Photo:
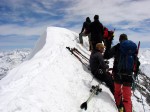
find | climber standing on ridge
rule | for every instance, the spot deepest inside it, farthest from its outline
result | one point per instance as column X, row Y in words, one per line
column 97, row 31
column 123, row 77
column 85, row 32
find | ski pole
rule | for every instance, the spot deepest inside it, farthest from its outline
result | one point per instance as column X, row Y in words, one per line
column 75, row 39
column 80, row 53
column 86, row 65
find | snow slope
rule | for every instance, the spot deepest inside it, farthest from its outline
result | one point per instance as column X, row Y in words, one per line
column 144, row 56
column 52, row 80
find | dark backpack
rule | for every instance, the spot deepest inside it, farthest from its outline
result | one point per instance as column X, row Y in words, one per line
column 128, row 50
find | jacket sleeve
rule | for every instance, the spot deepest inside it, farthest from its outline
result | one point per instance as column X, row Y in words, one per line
column 110, row 53
column 102, row 65
column 83, row 27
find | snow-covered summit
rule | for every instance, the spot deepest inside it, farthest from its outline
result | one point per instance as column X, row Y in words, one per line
column 52, row 80
column 53, row 39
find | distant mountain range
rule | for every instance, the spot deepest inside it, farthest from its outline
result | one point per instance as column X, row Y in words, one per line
column 10, row 59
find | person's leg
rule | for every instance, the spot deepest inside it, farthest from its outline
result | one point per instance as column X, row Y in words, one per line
column 109, row 81
column 80, row 38
column 117, row 93
column 104, row 77
column 127, row 98
column 90, row 43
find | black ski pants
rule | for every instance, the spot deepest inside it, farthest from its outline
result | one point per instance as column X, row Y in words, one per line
column 105, row 77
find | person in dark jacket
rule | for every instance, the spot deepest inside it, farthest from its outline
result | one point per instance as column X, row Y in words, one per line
column 97, row 31
column 122, row 81
column 98, row 66
column 85, row 31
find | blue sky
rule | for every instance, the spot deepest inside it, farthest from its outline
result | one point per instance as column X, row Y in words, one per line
column 22, row 22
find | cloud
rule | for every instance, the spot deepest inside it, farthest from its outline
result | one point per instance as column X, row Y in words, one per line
column 128, row 16
column 17, row 41
column 23, row 17
column 19, row 30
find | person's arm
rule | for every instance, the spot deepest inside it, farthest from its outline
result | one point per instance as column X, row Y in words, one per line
column 83, row 27
column 110, row 53
column 102, row 63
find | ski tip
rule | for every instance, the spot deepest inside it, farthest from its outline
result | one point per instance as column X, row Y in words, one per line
column 84, row 106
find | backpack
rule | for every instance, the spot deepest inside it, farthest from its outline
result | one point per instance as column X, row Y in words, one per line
column 105, row 33
column 108, row 34
column 128, row 50
column 108, row 38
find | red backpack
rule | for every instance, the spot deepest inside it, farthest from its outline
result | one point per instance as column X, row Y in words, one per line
column 108, row 34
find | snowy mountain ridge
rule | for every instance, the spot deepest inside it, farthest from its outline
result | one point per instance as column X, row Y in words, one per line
column 53, row 80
